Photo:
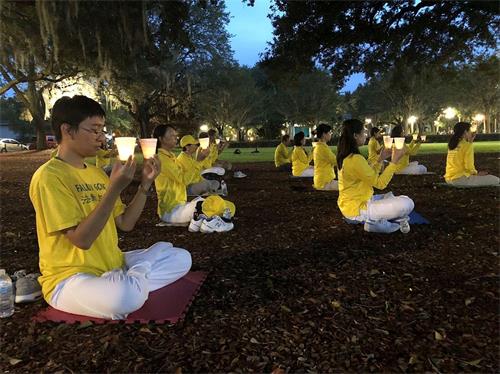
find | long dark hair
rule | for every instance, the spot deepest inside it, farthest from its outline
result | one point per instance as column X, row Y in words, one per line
column 397, row 131
column 458, row 131
column 374, row 131
column 158, row 132
column 297, row 139
column 347, row 144
column 322, row 129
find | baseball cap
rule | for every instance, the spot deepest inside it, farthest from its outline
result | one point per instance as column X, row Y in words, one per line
column 214, row 205
column 188, row 140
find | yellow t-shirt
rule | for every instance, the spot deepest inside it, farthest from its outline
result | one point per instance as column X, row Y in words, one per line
column 53, row 153
column 324, row 161
column 356, row 181
column 192, row 168
column 300, row 160
column 63, row 196
column 460, row 161
column 170, row 184
column 281, row 155
column 212, row 157
column 374, row 148
column 410, row 150
column 103, row 158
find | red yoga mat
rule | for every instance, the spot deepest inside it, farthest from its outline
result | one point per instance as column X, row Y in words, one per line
column 168, row 304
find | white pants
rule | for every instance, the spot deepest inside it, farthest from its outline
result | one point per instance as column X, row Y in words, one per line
column 333, row 185
column 413, row 168
column 386, row 206
column 476, row 181
column 119, row 292
column 309, row 172
column 202, row 187
column 182, row 213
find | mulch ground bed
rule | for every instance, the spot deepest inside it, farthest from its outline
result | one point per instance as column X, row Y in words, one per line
column 291, row 288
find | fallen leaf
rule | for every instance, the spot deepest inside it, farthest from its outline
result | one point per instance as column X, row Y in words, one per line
column 469, row 301
column 413, row 359
column 473, row 363
column 374, row 272
column 438, row 336
column 84, row 325
column 332, row 275
column 336, row 304
column 254, row 341
column 373, row 294
column 285, row 309
column 14, row 361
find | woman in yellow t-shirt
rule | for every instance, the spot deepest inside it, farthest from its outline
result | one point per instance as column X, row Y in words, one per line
column 300, row 158
column 281, row 154
column 404, row 165
column 374, row 146
column 460, row 169
column 324, row 161
column 357, row 178
column 171, row 183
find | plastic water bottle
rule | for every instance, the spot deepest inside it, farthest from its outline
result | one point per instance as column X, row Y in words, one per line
column 6, row 295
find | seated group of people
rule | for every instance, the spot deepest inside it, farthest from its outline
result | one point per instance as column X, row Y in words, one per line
column 358, row 176
column 78, row 207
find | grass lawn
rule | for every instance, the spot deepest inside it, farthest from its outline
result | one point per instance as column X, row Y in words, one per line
column 267, row 153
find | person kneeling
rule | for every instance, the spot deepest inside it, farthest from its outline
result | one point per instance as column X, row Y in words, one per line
column 282, row 156
column 357, row 179
column 460, row 169
column 78, row 209
column 324, row 161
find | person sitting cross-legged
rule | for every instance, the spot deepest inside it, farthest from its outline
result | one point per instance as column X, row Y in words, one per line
column 357, row 178
column 192, row 165
column 374, row 146
column 78, row 210
column 300, row 158
column 170, row 184
column 324, row 161
column 282, row 155
column 404, row 165
column 460, row 169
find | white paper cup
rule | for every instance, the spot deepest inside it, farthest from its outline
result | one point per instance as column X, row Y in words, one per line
column 399, row 142
column 423, row 137
column 387, row 141
column 126, row 147
column 148, row 147
column 204, row 142
column 415, row 136
column 217, row 141
column 314, row 144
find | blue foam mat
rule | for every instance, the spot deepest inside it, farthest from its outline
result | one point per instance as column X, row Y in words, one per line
column 415, row 219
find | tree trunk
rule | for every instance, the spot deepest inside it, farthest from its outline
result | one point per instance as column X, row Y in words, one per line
column 39, row 125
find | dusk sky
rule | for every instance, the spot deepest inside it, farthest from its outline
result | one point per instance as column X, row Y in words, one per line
column 252, row 30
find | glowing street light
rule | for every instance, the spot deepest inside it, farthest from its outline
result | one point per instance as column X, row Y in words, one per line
column 368, row 121
column 479, row 117
column 412, row 120
column 450, row 113
column 204, row 128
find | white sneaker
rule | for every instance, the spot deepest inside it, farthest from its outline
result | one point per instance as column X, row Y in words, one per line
column 196, row 222
column 382, row 226
column 222, row 190
column 215, row 224
column 239, row 174
column 404, row 224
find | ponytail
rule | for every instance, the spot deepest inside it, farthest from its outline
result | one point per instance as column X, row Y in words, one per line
column 322, row 129
column 347, row 143
column 458, row 131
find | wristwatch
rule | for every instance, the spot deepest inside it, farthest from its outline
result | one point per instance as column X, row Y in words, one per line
column 144, row 191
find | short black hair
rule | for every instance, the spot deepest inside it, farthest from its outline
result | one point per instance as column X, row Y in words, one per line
column 285, row 138
column 212, row 132
column 374, row 131
column 73, row 111
column 297, row 139
column 397, row 131
column 203, row 134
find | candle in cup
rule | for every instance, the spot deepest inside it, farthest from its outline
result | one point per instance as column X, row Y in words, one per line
column 125, row 146
column 314, row 144
column 423, row 137
column 148, row 147
column 399, row 142
column 204, row 142
column 387, row 141
column 217, row 141
column 415, row 136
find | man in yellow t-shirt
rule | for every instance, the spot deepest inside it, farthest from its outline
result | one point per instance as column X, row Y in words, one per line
column 192, row 164
column 78, row 209
column 282, row 157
